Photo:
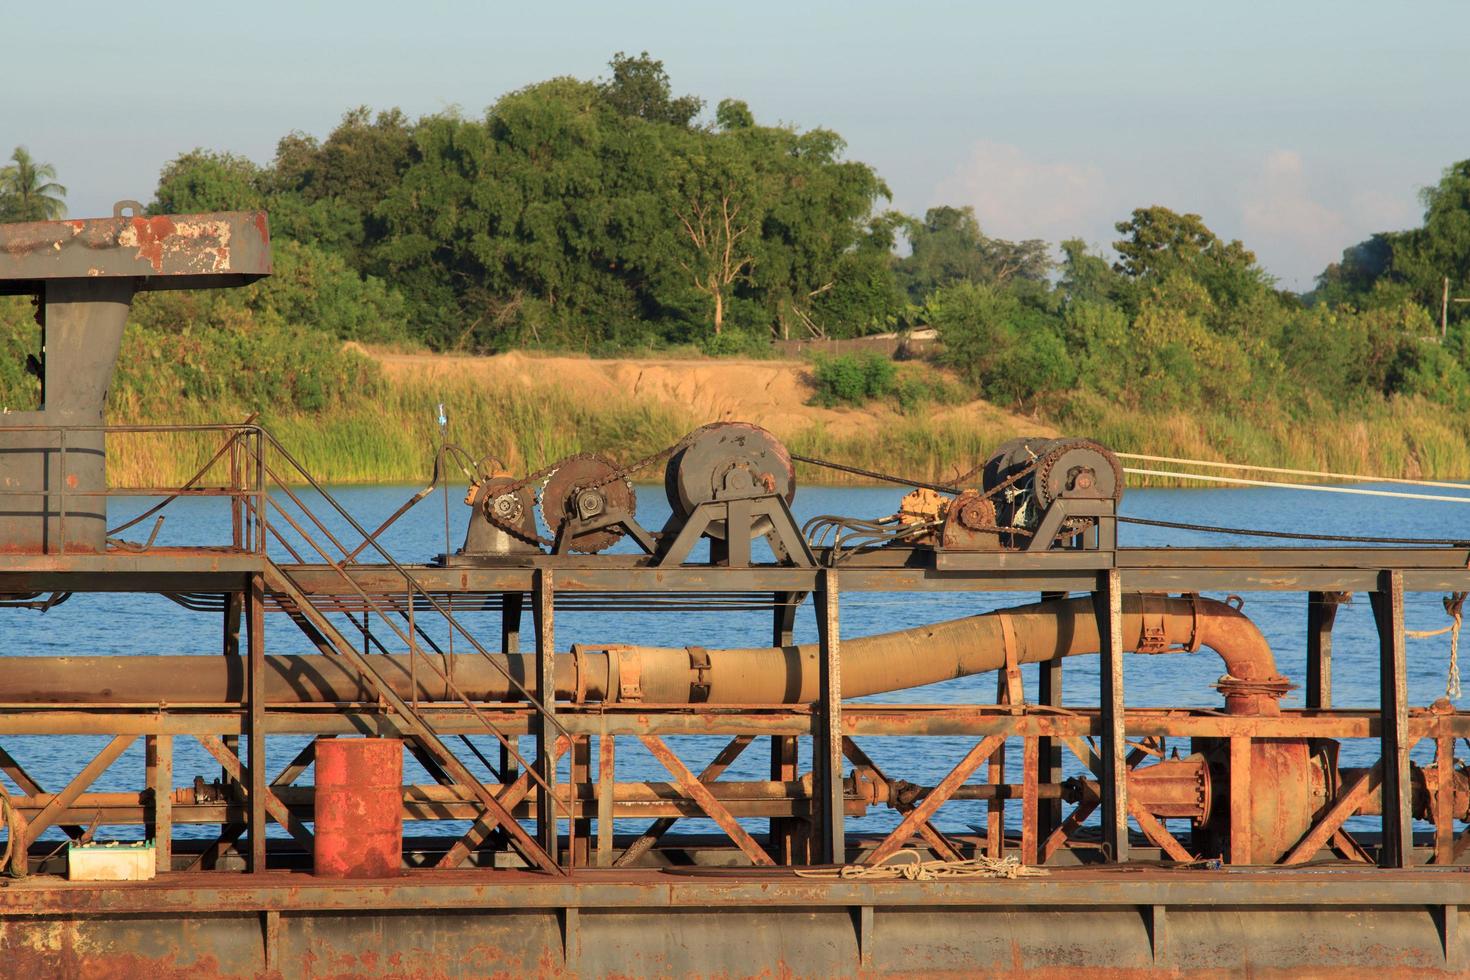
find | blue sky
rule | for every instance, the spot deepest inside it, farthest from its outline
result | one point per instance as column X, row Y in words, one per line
column 1297, row 127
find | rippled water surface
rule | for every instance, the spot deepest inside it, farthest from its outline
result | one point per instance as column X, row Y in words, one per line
column 137, row 624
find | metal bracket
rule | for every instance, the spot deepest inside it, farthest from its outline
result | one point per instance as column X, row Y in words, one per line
column 699, row 667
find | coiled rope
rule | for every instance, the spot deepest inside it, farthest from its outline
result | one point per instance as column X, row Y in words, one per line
column 915, row 868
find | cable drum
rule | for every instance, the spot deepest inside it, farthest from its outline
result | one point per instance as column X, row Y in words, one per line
column 729, row 460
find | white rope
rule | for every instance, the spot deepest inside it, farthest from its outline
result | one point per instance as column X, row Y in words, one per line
column 1454, row 604
column 1324, row 474
column 1240, row 481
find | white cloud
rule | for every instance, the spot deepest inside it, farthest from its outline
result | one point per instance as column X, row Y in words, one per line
column 1382, row 211
column 1292, row 233
column 1017, row 197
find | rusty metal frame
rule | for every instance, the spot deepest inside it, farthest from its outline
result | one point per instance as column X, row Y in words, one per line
column 807, row 820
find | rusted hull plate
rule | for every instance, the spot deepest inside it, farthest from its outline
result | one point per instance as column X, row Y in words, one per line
column 744, row 942
column 476, row 924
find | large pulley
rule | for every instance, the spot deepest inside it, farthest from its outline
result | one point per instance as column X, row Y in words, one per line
column 729, row 461
column 1025, row 477
column 583, row 491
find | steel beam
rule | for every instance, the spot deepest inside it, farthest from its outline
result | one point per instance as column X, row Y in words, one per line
column 1108, row 601
column 1388, row 610
column 543, row 597
column 829, row 711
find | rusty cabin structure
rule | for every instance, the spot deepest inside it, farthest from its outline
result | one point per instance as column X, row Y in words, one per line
column 1230, row 858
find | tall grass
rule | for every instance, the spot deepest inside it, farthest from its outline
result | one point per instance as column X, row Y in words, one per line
column 390, row 434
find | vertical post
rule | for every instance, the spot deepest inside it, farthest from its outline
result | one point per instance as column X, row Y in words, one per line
column 1031, row 812
column 1444, row 793
column 580, row 828
column 1444, row 310
column 544, row 589
column 1049, row 750
column 995, row 817
column 230, row 645
column 1321, row 614
column 1108, row 607
column 61, row 485
column 511, row 604
column 829, row 714
column 255, row 636
column 237, row 509
column 1398, row 827
column 606, row 778
column 159, row 750
column 783, row 747
column 1241, row 832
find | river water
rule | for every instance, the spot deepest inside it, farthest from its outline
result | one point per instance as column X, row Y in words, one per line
column 138, row 624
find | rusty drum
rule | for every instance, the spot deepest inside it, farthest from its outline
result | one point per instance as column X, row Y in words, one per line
column 359, row 807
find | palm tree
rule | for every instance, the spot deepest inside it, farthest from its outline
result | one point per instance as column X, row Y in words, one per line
column 28, row 190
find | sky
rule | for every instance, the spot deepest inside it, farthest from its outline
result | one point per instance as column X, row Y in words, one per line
column 1299, row 128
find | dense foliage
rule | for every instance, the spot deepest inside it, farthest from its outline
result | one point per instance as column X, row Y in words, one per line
column 613, row 215
column 587, row 215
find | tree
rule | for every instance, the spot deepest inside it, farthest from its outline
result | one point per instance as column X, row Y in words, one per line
column 719, row 203
column 1159, row 243
column 948, row 247
column 640, row 87
column 28, row 190
column 357, row 164
column 203, row 180
column 1086, row 278
column 1354, row 275
column 1424, row 257
column 733, row 114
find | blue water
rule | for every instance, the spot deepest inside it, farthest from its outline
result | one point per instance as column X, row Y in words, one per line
column 139, row 624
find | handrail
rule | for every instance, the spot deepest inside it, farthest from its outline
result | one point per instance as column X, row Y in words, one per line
column 412, row 583
column 252, row 529
column 412, row 587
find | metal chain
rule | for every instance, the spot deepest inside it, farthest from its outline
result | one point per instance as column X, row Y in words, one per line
column 619, row 473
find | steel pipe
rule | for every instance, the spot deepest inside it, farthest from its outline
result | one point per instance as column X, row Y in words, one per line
column 661, row 675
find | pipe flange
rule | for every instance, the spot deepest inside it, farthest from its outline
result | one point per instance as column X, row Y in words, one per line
column 1274, row 687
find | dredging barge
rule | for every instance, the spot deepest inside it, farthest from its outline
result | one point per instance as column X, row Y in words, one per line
column 1230, row 856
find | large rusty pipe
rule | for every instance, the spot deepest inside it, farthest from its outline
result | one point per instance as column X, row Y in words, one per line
column 772, row 675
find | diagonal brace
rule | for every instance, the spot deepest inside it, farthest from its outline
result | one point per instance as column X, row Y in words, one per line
column 706, row 801
column 920, row 814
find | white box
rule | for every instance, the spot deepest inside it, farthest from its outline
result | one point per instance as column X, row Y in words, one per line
column 112, row 861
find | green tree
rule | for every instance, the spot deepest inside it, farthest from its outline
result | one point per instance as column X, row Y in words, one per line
column 948, row 247
column 1158, row 243
column 202, row 180
column 1440, row 249
column 1009, row 348
column 640, row 87
column 28, row 190
column 1086, row 278
column 567, row 218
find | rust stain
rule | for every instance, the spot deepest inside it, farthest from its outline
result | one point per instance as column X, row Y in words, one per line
column 148, row 236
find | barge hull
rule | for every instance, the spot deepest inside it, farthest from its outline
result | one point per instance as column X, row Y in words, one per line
column 715, row 923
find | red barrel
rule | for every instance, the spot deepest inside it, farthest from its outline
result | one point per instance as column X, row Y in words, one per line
column 359, row 807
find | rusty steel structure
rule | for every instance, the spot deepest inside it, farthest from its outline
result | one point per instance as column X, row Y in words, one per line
column 1232, row 855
